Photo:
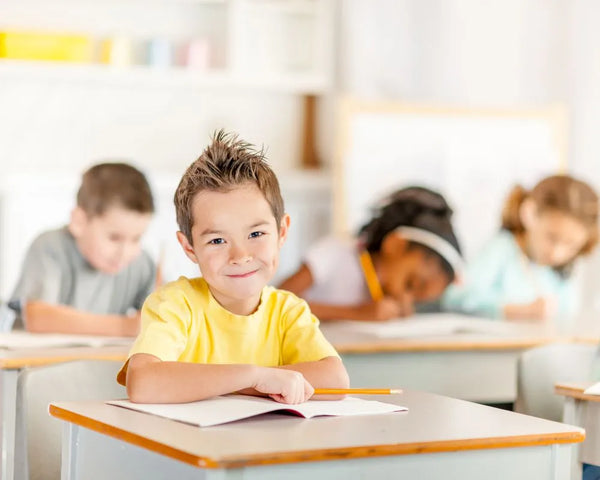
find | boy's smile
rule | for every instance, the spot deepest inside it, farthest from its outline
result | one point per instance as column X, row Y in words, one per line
column 236, row 244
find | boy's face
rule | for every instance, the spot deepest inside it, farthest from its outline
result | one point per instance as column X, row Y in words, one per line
column 111, row 241
column 236, row 243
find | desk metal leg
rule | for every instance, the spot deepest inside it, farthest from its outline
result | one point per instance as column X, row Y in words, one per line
column 69, row 451
column 88, row 455
column 572, row 416
column 8, row 412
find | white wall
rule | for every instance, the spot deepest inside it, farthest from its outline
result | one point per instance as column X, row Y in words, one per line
column 515, row 53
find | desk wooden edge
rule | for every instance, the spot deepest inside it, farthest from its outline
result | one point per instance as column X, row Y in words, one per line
column 340, row 453
column 33, row 361
column 403, row 345
column 575, row 390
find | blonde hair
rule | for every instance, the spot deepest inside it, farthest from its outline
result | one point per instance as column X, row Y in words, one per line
column 560, row 193
column 226, row 164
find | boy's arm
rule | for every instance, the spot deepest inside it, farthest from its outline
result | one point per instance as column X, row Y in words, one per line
column 42, row 317
column 329, row 372
column 150, row 380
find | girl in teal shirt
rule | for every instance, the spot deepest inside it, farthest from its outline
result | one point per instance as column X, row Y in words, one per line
column 524, row 271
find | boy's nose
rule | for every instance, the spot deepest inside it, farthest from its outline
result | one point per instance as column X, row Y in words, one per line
column 240, row 255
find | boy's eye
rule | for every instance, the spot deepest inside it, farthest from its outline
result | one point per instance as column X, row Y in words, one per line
column 217, row 241
column 256, row 234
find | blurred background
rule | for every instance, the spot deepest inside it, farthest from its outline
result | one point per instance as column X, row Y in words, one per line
column 148, row 81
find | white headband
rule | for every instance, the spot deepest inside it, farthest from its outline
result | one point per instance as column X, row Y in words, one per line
column 439, row 245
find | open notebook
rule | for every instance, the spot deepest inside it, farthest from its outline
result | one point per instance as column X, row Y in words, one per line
column 228, row 408
column 19, row 339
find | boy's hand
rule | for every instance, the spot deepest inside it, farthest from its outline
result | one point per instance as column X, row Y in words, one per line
column 284, row 386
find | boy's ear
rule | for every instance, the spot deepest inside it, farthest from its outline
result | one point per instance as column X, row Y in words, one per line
column 393, row 244
column 187, row 247
column 78, row 221
column 528, row 213
column 284, row 227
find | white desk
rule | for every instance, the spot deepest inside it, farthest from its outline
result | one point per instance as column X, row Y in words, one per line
column 438, row 437
column 582, row 410
column 11, row 362
column 475, row 367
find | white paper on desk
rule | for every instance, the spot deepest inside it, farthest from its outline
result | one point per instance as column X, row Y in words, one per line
column 423, row 325
column 18, row 340
column 228, row 408
column 593, row 390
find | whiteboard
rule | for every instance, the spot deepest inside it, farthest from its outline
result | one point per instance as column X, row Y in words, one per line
column 471, row 156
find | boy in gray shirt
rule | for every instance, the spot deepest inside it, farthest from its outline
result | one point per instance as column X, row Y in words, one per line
column 91, row 276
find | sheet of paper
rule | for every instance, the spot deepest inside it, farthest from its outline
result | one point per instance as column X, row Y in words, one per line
column 440, row 324
column 17, row 340
column 593, row 390
column 228, row 408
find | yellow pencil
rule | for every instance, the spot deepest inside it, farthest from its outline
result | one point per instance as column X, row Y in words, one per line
column 370, row 276
column 357, row 391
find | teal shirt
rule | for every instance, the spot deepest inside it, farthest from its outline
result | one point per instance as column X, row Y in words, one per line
column 502, row 275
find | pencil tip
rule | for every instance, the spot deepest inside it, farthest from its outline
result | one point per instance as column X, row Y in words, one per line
column 395, row 390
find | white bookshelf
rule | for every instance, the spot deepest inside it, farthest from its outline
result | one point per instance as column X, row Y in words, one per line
column 176, row 77
column 284, row 45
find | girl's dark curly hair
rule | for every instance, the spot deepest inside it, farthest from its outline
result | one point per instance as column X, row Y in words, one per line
column 416, row 207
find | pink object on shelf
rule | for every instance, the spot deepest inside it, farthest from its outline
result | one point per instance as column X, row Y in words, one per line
column 197, row 54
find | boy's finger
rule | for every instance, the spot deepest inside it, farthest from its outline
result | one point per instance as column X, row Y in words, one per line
column 308, row 390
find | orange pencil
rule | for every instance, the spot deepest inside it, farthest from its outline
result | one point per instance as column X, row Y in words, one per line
column 370, row 276
column 357, row 391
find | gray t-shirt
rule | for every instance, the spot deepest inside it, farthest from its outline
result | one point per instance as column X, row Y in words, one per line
column 54, row 271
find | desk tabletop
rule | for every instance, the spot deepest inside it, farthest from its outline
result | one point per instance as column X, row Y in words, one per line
column 432, row 424
column 347, row 339
column 575, row 390
column 32, row 357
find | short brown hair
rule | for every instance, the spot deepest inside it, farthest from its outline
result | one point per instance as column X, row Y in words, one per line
column 108, row 185
column 225, row 164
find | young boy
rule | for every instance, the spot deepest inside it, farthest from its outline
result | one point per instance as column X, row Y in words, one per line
column 226, row 331
column 91, row 276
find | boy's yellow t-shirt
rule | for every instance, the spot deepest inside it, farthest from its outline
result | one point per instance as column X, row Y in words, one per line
column 182, row 321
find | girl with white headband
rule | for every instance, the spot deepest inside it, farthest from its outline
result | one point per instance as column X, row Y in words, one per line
column 406, row 254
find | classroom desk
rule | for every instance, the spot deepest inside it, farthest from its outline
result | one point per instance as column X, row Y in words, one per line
column 475, row 367
column 583, row 410
column 439, row 437
column 12, row 361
